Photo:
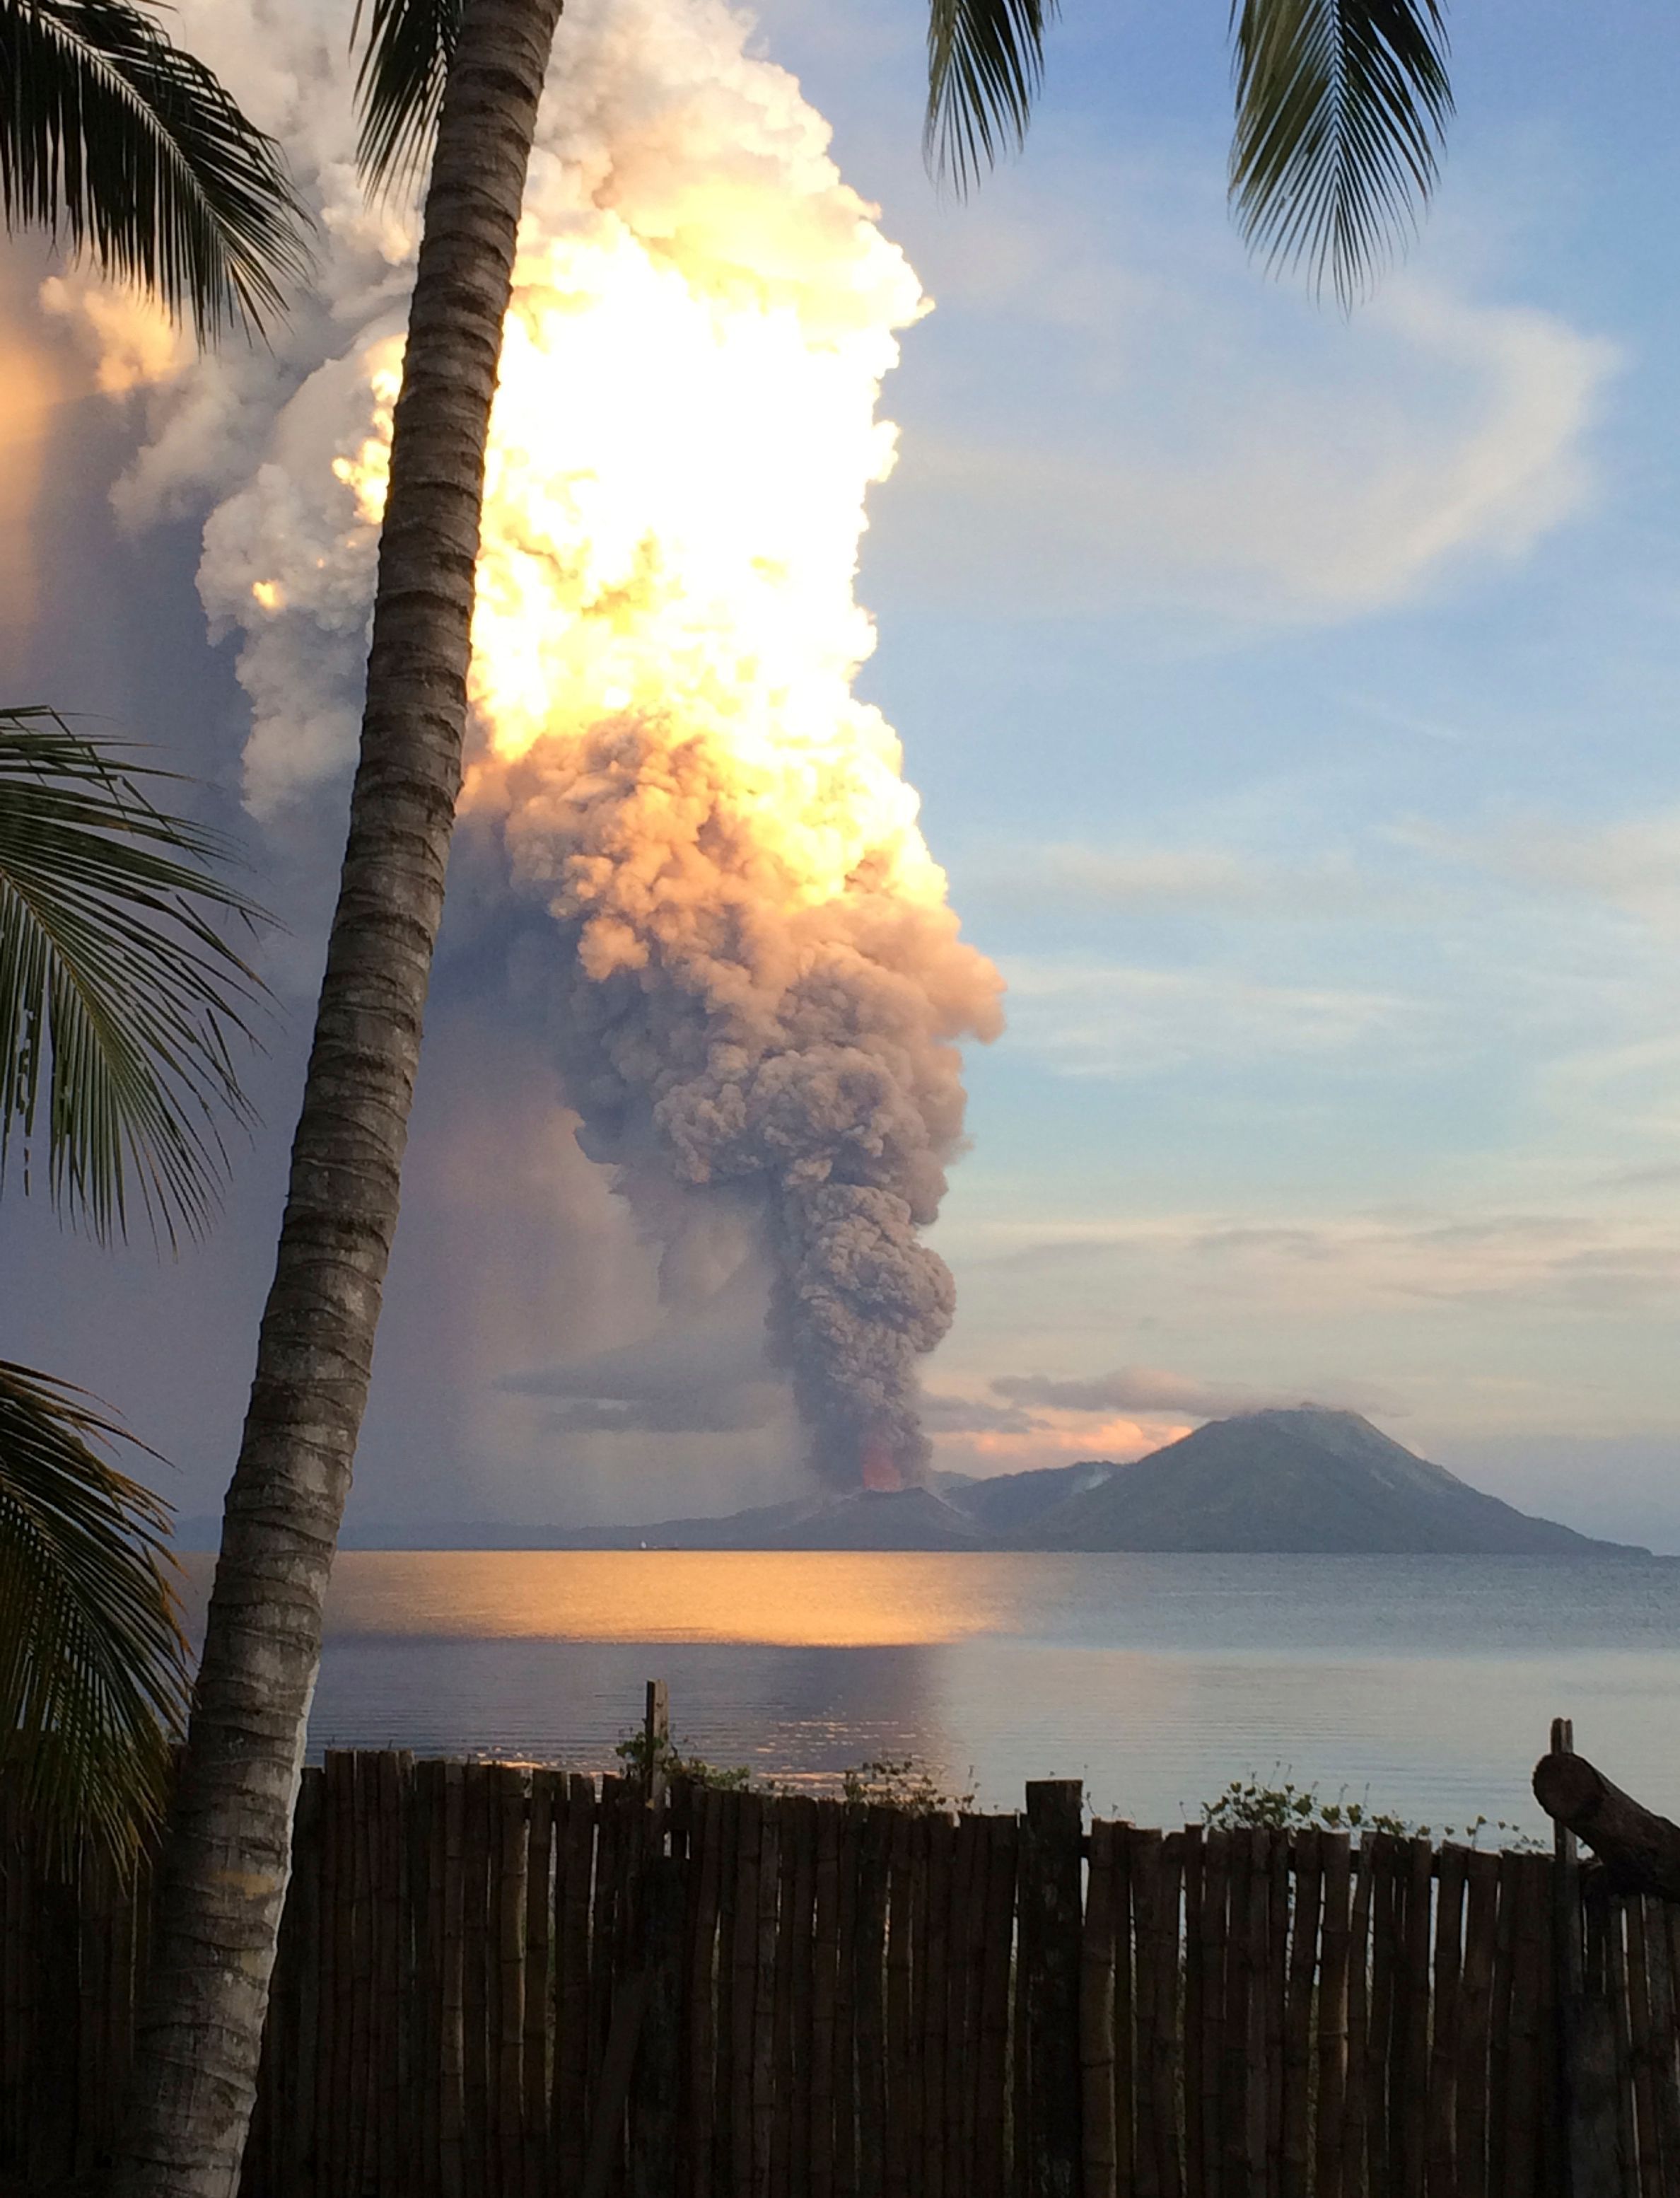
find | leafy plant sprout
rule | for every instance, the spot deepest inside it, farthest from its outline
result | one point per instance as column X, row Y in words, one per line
column 883, row 1781
column 1250, row 1805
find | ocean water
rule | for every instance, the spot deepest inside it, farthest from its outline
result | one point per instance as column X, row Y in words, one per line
column 1425, row 1685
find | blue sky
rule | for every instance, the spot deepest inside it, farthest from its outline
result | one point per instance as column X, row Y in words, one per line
column 1303, row 751
column 1292, row 702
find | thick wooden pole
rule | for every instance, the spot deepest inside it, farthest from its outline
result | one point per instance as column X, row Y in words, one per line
column 1638, row 1851
column 1586, row 2041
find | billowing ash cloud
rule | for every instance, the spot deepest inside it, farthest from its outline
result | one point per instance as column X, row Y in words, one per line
column 755, row 986
column 719, row 1038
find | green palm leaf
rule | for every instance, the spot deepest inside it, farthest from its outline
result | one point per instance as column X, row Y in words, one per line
column 136, row 151
column 1340, row 107
column 118, row 1000
column 985, row 61
column 93, row 1668
column 399, row 82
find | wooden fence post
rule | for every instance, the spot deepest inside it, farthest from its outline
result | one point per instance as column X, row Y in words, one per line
column 657, row 2095
column 656, row 1742
column 1097, row 2021
column 1051, row 1910
column 642, row 2063
column 1586, row 2038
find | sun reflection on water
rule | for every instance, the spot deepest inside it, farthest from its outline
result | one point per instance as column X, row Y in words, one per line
column 800, row 1599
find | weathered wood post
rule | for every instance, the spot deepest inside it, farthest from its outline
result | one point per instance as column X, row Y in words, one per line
column 1100, row 2166
column 1586, row 2039
column 1051, row 1953
column 656, row 1740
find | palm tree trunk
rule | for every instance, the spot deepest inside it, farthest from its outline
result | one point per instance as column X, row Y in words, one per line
column 229, row 1844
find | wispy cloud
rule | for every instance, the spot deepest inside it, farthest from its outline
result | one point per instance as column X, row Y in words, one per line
column 1114, row 1021
column 717, row 1411
column 1053, row 1440
column 943, row 1415
column 1150, row 1389
column 1201, row 879
column 1663, row 1175
column 1043, row 1419
column 1340, row 1266
column 1632, row 864
column 1346, row 476
column 1401, row 868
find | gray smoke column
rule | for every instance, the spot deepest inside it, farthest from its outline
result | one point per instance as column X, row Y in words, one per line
column 722, row 1031
column 757, row 986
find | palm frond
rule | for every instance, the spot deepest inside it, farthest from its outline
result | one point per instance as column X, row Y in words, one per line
column 985, row 61
column 93, row 1664
column 1340, row 109
column 119, row 999
column 399, row 82
column 116, row 137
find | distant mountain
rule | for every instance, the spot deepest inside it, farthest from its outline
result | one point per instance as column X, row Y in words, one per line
column 911, row 1519
column 756, row 1529
column 1010, row 1504
column 955, row 1512
column 914, row 1519
column 1310, row 1479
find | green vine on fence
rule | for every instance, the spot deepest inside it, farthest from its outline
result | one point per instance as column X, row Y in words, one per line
column 642, row 1753
column 901, row 1782
column 1250, row 1805
column 904, row 1783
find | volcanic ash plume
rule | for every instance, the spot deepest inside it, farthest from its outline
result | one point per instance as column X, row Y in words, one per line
column 736, row 1021
column 757, row 984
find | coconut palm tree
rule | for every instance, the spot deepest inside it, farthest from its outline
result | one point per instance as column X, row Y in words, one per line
column 1339, row 104
column 118, row 999
column 473, row 87
column 116, row 140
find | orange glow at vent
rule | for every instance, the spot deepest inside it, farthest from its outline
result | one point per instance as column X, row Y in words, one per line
column 879, row 1470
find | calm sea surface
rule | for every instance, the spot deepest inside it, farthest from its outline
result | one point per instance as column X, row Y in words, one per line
column 1425, row 1684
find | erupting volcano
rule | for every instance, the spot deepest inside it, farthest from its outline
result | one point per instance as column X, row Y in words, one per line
column 756, row 986
column 881, row 1470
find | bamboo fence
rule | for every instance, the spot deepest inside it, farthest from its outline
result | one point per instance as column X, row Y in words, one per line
column 501, row 1982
